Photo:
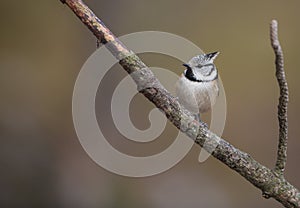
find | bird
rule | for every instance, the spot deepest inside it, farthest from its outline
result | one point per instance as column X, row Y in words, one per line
column 197, row 88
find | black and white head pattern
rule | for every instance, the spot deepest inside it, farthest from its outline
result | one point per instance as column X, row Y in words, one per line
column 201, row 68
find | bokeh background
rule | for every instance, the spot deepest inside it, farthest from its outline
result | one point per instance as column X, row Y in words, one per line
column 43, row 46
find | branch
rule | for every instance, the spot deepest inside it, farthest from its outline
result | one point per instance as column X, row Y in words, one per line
column 260, row 176
column 283, row 100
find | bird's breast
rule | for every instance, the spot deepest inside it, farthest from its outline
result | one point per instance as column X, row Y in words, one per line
column 197, row 97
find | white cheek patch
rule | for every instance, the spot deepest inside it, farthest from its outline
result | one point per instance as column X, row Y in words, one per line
column 207, row 70
column 206, row 73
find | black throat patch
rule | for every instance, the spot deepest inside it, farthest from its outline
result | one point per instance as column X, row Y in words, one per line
column 190, row 75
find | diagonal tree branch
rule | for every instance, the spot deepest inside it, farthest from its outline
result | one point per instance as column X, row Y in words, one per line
column 283, row 100
column 267, row 180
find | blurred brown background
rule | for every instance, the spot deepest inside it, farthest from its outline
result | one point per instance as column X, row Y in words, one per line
column 43, row 46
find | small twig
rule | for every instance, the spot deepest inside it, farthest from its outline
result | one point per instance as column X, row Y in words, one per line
column 283, row 100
